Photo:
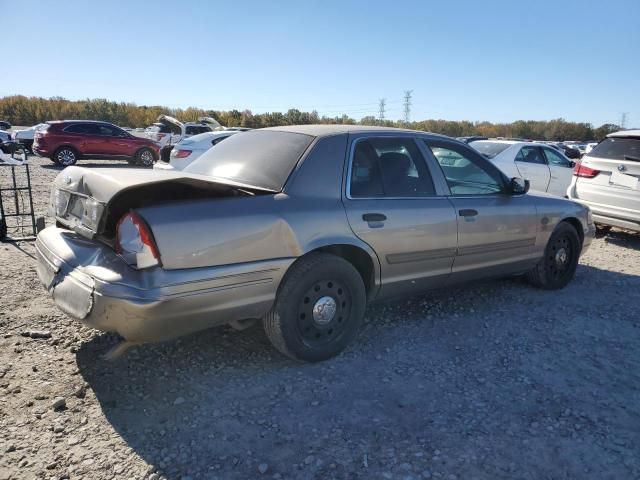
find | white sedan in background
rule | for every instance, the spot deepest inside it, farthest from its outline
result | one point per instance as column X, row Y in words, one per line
column 546, row 168
column 188, row 149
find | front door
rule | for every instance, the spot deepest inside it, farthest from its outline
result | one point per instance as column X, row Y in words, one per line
column 392, row 205
column 496, row 230
column 561, row 169
column 533, row 167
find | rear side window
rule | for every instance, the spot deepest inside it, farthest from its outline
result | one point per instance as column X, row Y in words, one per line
column 617, row 149
column 84, row 128
column 389, row 167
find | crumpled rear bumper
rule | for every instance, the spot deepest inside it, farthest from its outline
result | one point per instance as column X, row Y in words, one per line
column 90, row 282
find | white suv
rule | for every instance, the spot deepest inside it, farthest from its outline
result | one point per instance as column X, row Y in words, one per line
column 607, row 180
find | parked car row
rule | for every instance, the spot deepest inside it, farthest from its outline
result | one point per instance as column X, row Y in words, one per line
column 67, row 141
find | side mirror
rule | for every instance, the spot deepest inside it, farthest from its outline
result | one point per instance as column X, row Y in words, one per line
column 519, row 186
column 572, row 164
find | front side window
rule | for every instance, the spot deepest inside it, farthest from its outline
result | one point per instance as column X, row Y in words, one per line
column 389, row 167
column 554, row 158
column 466, row 175
column 82, row 128
column 530, row 155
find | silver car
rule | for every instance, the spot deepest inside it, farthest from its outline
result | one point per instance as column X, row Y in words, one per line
column 297, row 226
column 608, row 181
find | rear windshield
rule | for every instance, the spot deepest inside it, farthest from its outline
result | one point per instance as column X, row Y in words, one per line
column 489, row 149
column 262, row 158
column 617, row 149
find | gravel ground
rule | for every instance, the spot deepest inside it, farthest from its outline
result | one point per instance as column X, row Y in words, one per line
column 496, row 380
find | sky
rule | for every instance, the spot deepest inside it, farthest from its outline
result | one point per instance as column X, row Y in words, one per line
column 499, row 61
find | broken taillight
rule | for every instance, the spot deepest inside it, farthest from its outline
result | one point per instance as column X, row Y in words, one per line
column 135, row 243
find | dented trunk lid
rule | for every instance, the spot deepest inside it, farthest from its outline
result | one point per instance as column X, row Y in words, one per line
column 114, row 191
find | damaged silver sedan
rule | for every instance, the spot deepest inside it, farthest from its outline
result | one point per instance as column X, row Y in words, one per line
column 298, row 227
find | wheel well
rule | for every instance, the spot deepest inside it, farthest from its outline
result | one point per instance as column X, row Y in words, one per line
column 357, row 257
column 70, row 147
column 575, row 223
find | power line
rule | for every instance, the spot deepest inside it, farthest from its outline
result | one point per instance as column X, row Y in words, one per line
column 383, row 102
column 407, row 106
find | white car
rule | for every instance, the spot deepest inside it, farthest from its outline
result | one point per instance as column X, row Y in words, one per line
column 169, row 131
column 590, row 147
column 546, row 168
column 188, row 149
column 25, row 135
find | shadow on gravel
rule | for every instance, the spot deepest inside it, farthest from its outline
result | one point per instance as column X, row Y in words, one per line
column 623, row 239
column 497, row 380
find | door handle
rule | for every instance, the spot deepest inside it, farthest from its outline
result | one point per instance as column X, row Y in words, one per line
column 374, row 217
column 467, row 212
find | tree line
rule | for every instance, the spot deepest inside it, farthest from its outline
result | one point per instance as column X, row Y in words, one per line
column 22, row 110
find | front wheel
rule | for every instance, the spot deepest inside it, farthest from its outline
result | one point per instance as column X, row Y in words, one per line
column 145, row 157
column 65, row 156
column 558, row 266
column 318, row 309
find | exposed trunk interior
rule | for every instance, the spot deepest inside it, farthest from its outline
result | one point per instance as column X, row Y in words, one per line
column 170, row 191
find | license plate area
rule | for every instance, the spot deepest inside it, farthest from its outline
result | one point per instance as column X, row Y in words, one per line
column 624, row 180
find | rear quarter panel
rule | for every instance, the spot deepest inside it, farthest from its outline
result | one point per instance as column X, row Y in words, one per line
column 307, row 215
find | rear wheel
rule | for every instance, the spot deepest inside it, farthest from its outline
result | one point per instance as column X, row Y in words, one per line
column 65, row 156
column 318, row 309
column 145, row 157
column 558, row 266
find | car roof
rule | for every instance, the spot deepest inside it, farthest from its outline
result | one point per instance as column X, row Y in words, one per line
column 52, row 122
column 328, row 130
column 505, row 142
column 625, row 133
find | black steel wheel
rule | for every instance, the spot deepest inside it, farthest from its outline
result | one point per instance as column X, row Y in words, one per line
column 558, row 266
column 318, row 309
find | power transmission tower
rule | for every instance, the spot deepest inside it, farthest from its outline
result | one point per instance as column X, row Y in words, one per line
column 623, row 120
column 383, row 102
column 407, row 106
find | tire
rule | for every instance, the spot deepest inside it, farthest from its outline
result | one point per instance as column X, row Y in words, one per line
column 65, row 156
column 318, row 309
column 53, row 159
column 558, row 265
column 145, row 157
column 602, row 230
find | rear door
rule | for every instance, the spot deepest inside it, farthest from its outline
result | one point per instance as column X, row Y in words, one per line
column 561, row 170
column 496, row 230
column 90, row 142
column 393, row 205
column 533, row 167
column 614, row 189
